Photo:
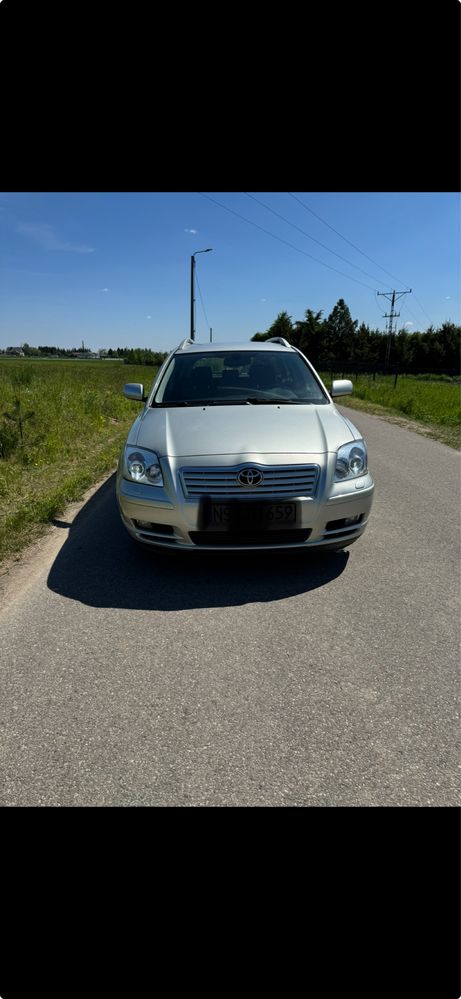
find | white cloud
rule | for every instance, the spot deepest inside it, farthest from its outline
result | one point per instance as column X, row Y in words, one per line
column 194, row 231
column 148, row 317
column 46, row 237
column 409, row 323
column 104, row 289
column 263, row 299
column 447, row 297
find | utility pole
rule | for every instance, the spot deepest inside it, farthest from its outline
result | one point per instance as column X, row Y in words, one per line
column 391, row 296
column 192, row 290
column 211, row 335
column 192, row 299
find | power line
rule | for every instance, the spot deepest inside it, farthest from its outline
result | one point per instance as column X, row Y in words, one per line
column 407, row 307
column 423, row 310
column 345, row 239
column 377, row 304
column 201, row 299
column 325, row 247
column 310, row 255
column 285, row 241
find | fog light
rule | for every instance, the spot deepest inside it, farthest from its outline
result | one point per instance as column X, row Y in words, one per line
column 143, row 525
column 352, row 520
column 154, row 474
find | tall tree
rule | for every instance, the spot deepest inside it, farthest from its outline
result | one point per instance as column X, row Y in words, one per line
column 308, row 334
column 340, row 331
column 282, row 326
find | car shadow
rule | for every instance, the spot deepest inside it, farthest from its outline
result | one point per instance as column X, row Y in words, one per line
column 100, row 565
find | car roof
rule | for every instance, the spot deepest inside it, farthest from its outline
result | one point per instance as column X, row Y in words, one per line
column 209, row 348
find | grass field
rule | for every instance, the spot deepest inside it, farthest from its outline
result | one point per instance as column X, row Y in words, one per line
column 79, row 421
column 67, row 421
column 433, row 407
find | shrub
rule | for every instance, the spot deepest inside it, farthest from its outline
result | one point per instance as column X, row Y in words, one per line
column 9, row 440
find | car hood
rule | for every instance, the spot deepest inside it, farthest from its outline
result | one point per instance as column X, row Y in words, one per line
column 239, row 430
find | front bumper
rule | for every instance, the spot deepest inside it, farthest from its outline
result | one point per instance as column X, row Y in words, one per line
column 165, row 517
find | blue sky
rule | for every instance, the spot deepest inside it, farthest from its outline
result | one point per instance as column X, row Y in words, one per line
column 113, row 269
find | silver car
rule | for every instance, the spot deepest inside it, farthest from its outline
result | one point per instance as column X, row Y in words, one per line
column 241, row 446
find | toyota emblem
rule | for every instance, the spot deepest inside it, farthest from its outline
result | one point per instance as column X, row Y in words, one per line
column 250, row 477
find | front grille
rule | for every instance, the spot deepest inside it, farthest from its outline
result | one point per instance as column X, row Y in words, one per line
column 278, row 480
column 248, row 538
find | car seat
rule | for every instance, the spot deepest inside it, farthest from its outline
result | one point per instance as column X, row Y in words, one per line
column 201, row 383
column 262, row 376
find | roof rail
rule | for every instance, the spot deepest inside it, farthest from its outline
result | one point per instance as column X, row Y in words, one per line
column 185, row 343
column 279, row 339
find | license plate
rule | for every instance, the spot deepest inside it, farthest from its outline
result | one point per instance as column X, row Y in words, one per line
column 239, row 515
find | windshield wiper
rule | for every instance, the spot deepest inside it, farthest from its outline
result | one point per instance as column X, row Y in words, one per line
column 215, row 402
column 166, row 405
column 200, row 402
column 258, row 401
column 251, row 401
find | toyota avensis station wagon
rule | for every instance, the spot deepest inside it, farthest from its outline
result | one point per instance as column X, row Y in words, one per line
column 241, row 446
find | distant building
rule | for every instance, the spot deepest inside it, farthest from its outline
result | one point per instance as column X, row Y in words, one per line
column 15, row 351
column 84, row 355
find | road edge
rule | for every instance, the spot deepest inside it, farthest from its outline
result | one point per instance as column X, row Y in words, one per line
column 20, row 570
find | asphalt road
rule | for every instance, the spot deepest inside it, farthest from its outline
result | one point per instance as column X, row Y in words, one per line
column 263, row 679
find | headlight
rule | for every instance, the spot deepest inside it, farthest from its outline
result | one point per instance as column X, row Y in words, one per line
column 142, row 466
column 351, row 461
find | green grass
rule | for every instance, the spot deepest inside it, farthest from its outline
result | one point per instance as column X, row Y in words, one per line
column 80, row 419
column 432, row 407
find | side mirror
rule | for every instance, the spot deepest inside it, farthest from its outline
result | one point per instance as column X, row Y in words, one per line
column 135, row 391
column 341, row 386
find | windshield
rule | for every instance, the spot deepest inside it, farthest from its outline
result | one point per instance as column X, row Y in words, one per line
column 246, row 377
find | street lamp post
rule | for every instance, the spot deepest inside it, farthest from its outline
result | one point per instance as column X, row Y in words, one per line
column 192, row 290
